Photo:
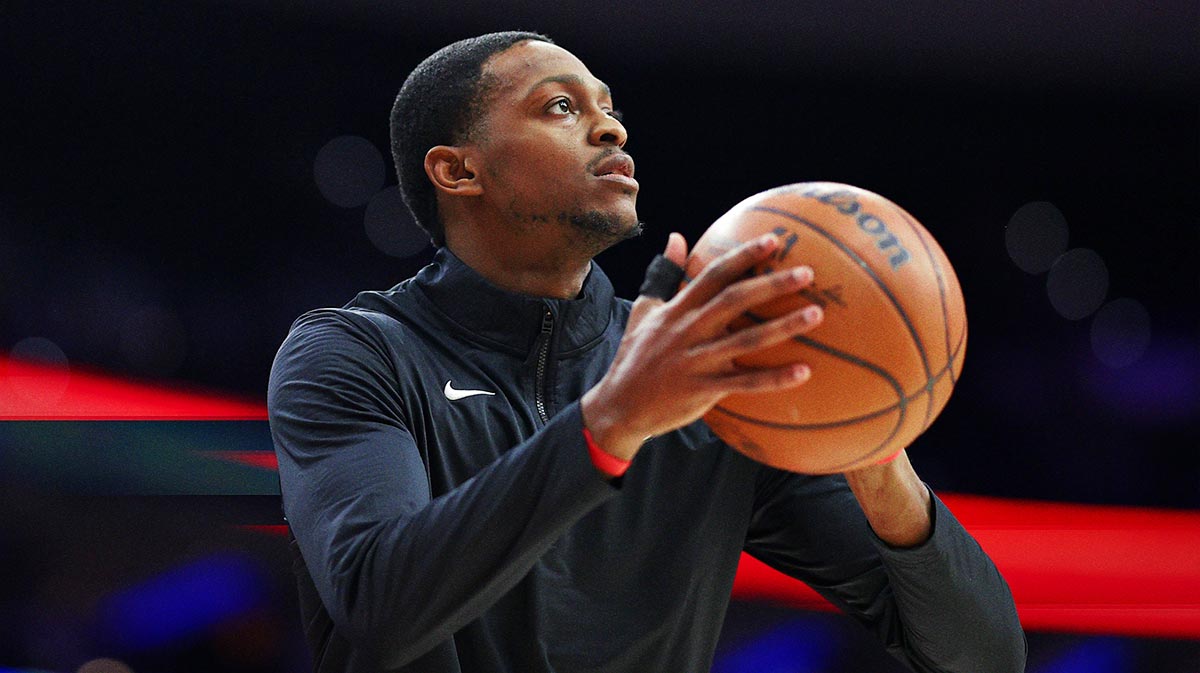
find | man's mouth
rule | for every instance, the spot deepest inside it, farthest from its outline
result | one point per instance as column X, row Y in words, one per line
column 616, row 164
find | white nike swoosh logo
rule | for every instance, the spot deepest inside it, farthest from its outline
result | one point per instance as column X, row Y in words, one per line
column 453, row 393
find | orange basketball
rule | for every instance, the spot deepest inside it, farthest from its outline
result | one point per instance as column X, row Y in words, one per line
column 889, row 351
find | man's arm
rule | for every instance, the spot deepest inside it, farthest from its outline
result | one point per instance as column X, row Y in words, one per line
column 940, row 605
column 896, row 502
column 397, row 570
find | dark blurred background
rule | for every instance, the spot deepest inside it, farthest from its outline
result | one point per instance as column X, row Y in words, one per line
column 179, row 181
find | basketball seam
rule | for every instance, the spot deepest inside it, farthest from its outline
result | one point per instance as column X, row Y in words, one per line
column 949, row 368
column 895, row 304
column 903, row 399
column 937, row 272
column 912, row 330
column 841, row 355
column 877, row 449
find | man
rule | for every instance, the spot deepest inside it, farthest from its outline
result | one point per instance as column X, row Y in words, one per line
column 498, row 466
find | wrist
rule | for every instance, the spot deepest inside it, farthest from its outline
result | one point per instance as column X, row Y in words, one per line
column 608, row 464
column 608, row 430
column 895, row 500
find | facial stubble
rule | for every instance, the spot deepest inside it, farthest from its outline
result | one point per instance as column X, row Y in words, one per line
column 599, row 230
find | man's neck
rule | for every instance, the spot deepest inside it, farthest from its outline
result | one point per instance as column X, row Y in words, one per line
column 532, row 272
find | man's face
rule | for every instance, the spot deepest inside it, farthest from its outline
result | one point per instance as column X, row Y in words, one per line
column 550, row 148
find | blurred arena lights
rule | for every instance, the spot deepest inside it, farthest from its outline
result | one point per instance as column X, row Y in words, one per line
column 349, row 170
column 31, row 390
column 1120, row 332
column 1078, row 283
column 797, row 645
column 182, row 602
column 1094, row 655
column 390, row 225
column 1163, row 387
column 140, row 458
column 1145, row 582
column 37, row 374
column 1035, row 236
column 39, row 350
column 105, row 665
column 1097, row 569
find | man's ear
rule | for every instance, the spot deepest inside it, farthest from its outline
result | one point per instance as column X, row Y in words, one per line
column 451, row 171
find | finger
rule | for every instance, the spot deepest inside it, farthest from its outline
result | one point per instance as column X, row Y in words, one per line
column 662, row 279
column 764, row 380
column 725, row 269
column 676, row 249
column 637, row 313
column 744, row 295
column 761, row 336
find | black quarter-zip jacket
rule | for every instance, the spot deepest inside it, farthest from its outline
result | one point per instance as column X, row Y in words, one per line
column 447, row 518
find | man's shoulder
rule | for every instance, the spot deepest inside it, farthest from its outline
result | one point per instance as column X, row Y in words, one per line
column 337, row 333
column 354, row 326
column 347, row 320
column 371, row 311
column 375, row 343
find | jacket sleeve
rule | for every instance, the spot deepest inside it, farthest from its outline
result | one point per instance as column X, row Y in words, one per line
column 939, row 607
column 397, row 570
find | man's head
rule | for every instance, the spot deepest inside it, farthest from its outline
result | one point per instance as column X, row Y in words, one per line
column 440, row 104
column 509, row 128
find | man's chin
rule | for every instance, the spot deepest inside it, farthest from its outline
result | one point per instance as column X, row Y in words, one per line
column 605, row 228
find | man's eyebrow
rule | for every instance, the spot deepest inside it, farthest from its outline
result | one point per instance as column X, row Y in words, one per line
column 568, row 79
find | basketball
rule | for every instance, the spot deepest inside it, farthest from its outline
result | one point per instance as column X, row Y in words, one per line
column 889, row 351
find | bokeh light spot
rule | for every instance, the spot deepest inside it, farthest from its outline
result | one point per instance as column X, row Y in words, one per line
column 1035, row 236
column 1121, row 332
column 48, row 387
column 105, row 666
column 348, row 171
column 40, row 351
column 391, row 227
column 1078, row 283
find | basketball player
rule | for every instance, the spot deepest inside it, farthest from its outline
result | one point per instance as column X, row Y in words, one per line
column 498, row 466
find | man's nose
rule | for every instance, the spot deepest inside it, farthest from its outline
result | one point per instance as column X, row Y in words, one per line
column 608, row 131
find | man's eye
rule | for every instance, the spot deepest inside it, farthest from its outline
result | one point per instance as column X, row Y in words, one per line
column 616, row 114
column 562, row 105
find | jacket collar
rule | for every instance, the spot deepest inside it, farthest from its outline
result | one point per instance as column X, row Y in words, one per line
column 514, row 320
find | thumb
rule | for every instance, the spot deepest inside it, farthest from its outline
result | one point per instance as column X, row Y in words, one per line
column 676, row 249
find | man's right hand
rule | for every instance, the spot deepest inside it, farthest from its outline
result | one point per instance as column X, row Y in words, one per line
column 676, row 359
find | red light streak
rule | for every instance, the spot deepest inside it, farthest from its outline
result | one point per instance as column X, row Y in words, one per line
column 31, row 392
column 1079, row 568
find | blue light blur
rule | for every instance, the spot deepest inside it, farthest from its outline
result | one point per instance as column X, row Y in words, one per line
column 1163, row 387
column 182, row 603
column 801, row 645
column 1094, row 655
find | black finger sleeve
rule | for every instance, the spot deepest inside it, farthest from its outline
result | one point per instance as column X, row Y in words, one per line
column 662, row 278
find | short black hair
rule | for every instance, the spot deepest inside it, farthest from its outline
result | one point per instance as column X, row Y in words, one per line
column 440, row 104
